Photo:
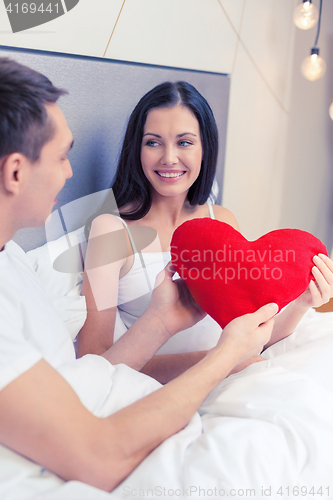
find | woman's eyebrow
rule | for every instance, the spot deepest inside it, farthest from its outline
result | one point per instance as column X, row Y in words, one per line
column 178, row 135
column 186, row 133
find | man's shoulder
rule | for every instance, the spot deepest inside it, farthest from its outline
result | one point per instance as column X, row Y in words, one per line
column 16, row 271
column 13, row 248
column 16, row 255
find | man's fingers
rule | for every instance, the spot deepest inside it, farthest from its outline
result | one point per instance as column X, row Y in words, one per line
column 265, row 313
column 266, row 328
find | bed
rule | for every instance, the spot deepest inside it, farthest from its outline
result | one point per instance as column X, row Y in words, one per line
column 264, row 432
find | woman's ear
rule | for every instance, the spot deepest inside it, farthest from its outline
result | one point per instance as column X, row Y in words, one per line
column 12, row 172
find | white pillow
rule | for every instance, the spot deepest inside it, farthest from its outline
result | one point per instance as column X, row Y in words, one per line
column 64, row 288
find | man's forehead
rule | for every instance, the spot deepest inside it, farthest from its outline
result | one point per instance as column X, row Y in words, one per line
column 55, row 112
column 58, row 120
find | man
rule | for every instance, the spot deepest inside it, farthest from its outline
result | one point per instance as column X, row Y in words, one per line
column 41, row 415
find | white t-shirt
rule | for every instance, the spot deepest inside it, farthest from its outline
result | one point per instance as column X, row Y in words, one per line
column 31, row 329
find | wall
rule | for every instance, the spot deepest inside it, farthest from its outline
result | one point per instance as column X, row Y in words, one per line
column 279, row 142
column 251, row 40
column 308, row 187
column 279, row 152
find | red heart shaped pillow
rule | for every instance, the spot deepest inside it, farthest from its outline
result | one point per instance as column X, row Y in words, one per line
column 229, row 276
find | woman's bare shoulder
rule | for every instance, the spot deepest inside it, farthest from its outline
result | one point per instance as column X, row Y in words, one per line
column 225, row 215
column 105, row 223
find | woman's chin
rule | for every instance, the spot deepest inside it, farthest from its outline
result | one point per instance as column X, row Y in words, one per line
column 169, row 191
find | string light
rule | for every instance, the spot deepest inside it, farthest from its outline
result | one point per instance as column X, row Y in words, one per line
column 313, row 67
column 306, row 15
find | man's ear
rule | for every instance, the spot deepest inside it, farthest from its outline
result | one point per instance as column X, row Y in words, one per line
column 13, row 172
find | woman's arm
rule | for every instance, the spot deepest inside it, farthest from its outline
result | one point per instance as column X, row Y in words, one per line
column 106, row 255
column 101, row 285
column 166, row 367
column 172, row 309
column 317, row 294
column 104, row 261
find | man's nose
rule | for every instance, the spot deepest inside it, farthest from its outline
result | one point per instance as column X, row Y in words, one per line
column 69, row 171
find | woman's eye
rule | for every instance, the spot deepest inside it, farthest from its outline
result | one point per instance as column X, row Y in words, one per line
column 152, row 143
column 185, row 143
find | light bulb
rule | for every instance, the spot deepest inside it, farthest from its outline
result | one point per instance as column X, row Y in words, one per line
column 306, row 16
column 330, row 111
column 313, row 67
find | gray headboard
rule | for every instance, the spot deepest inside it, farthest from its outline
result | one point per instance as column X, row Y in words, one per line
column 102, row 94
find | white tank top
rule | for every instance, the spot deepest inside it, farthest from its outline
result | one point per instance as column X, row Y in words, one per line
column 134, row 295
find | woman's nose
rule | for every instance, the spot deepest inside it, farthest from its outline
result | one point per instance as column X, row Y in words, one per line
column 169, row 156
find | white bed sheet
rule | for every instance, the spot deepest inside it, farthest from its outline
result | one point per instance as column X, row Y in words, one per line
column 266, row 429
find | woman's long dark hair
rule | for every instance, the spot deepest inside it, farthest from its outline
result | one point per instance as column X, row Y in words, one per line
column 130, row 185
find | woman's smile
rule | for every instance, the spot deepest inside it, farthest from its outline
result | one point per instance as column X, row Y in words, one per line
column 170, row 176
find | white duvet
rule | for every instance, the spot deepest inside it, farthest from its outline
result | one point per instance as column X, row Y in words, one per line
column 266, row 432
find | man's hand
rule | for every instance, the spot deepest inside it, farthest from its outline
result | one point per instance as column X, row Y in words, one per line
column 246, row 335
column 321, row 290
column 173, row 304
column 251, row 361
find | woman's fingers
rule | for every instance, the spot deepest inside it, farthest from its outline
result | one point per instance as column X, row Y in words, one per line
column 315, row 292
column 323, row 274
column 166, row 274
column 327, row 260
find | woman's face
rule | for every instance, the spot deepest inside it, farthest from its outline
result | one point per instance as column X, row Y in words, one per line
column 171, row 150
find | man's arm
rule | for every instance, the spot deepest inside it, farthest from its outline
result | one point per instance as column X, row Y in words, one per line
column 42, row 418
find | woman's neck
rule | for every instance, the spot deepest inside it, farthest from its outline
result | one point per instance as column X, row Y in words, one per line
column 169, row 209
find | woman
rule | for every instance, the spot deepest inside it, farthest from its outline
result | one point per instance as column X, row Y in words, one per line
column 164, row 177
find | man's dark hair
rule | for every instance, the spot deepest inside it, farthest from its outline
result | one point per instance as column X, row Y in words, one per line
column 24, row 123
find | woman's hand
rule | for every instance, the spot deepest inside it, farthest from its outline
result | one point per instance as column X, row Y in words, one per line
column 321, row 290
column 173, row 304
